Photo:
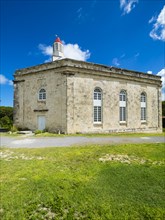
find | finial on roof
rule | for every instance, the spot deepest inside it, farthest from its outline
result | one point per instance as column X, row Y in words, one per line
column 58, row 40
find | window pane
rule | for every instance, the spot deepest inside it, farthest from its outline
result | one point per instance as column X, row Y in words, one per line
column 99, row 96
column 143, row 113
column 95, row 113
column 122, row 114
column 99, row 113
column 97, row 90
column 97, row 110
column 122, row 96
column 143, row 97
column 143, row 106
column 95, row 96
column 122, row 104
column 42, row 94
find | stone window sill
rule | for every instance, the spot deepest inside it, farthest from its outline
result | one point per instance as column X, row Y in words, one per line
column 123, row 123
column 143, row 122
column 97, row 124
column 42, row 101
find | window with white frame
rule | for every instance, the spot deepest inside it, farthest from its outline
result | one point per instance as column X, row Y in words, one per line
column 122, row 105
column 143, row 106
column 97, row 106
column 42, row 94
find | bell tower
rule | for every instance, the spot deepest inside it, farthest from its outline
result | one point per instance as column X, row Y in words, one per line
column 58, row 49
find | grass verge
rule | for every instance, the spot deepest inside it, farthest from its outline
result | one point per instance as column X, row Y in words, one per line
column 91, row 182
column 47, row 134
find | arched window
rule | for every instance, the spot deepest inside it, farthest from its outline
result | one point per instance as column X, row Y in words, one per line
column 122, row 105
column 143, row 106
column 42, row 94
column 97, row 105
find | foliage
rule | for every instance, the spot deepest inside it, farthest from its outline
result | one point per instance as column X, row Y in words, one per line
column 6, row 117
column 163, row 108
column 13, row 129
column 5, row 110
column 72, row 183
column 38, row 132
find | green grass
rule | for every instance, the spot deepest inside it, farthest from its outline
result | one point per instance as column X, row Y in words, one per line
column 72, row 183
column 47, row 134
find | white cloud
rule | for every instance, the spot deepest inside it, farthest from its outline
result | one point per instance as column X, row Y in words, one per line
column 152, row 19
column 123, row 55
column 79, row 13
column 158, row 31
column 72, row 51
column 46, row 50
column 127, row 5
column 162, row 74
column 149, row 72
column 137, row 55
column 115, row 61
column 5, row 81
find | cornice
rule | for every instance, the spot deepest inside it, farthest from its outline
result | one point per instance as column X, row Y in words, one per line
column 75, row 66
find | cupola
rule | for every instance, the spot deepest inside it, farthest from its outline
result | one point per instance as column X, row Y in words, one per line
column 58, row 49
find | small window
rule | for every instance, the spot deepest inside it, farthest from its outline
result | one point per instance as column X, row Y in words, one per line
column 122, row 106
column 56, row 46
column 143, row 106
column 42, row 94
column 97, row 106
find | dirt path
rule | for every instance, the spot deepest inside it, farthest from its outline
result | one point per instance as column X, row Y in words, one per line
column 40, row 142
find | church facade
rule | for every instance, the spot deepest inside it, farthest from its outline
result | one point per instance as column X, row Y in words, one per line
column 70, row 96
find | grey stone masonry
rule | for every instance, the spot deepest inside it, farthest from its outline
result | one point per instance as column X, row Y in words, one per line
column 68, row 107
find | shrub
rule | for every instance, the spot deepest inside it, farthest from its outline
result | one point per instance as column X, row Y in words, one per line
column 6, row 117
column 38, row 132
column 13, row 129
column 5, row 122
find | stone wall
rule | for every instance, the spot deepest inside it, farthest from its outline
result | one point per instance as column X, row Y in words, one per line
column 68, row 107
column 80, row 89
column 28, row 107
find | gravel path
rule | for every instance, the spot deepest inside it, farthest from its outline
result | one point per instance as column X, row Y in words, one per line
column 33, row 142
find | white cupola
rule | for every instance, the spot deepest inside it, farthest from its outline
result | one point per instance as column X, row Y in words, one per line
column 58, row 49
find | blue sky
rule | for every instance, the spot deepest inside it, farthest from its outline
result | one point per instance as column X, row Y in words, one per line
column 127, row 34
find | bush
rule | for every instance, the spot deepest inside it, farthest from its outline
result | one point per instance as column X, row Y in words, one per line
column 5, row 122
column 163, row 108
column 13, row 129
column 6, row 117
column 38, row 132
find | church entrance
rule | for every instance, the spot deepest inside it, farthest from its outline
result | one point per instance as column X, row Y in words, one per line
column 41, row 122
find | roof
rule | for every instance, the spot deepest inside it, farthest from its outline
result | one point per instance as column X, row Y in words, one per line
column 58, row 40
column 72, row 66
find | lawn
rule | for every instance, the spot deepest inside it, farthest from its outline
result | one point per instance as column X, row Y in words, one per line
column 117, row 182
column 48, row 134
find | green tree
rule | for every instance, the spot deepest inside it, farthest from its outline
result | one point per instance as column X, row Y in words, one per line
column 6, row 117
column 163, row 108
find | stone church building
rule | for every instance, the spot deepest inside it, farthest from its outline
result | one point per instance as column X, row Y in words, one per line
column 70, row 96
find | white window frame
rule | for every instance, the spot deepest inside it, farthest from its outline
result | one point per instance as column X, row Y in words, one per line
column 42, row 95
column 97, row 106
column 143, row 107
column 122, row 106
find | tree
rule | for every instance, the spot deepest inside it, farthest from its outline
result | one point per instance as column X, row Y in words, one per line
column 6, row 117
column 163, row 108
